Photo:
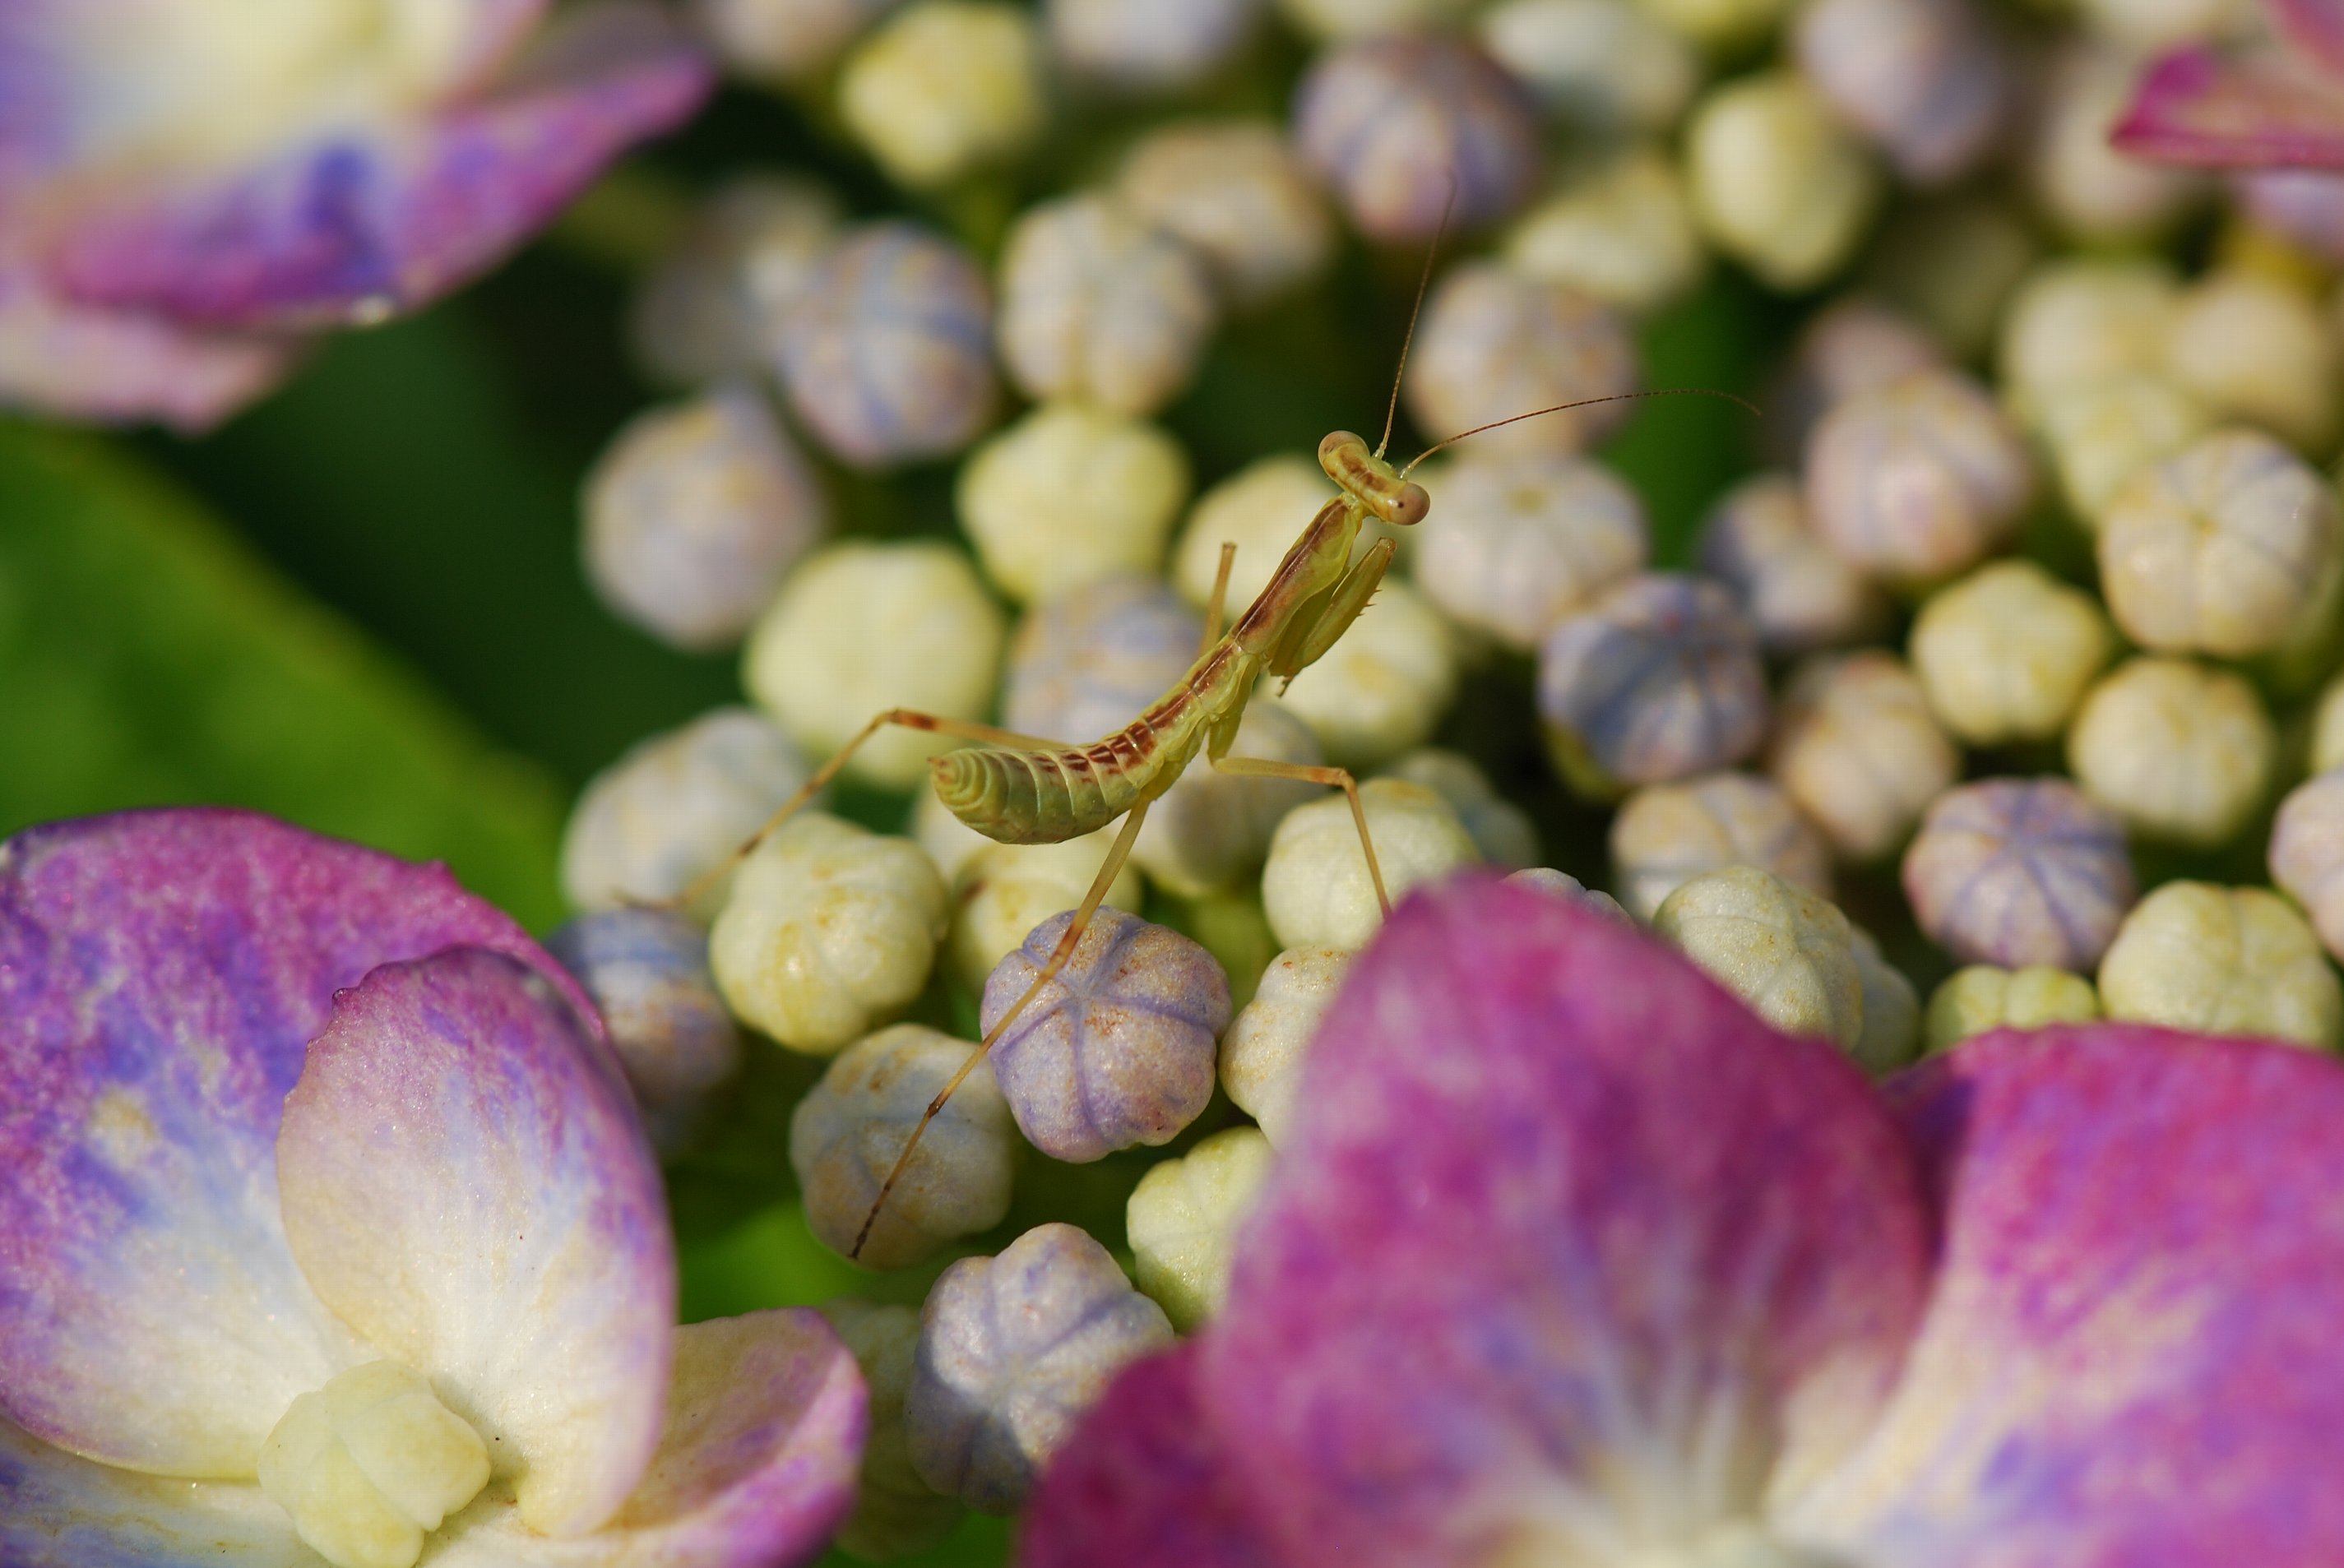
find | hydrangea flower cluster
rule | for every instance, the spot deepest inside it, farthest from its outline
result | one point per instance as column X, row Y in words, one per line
column 1555, row 1218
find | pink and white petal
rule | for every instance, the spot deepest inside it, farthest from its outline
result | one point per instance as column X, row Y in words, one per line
column 1144, row 1483
column 1569, row 1253
column 124, row 366
column 2315, row 26
column 756, row 1467
column 466, row 1182
column 161, row 975
column 58, row 1510
column 2129, row 1360
column 358, row 227
column 2199, row 107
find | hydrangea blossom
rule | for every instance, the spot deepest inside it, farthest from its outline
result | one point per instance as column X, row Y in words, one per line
column 188, row 189
column 2281, row 106
column 1573, row 1260
column 292, row 1121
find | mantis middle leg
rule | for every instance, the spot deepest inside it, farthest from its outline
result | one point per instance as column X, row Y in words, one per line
column 1071, row 939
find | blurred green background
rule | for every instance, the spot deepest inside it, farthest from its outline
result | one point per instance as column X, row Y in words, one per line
column 359, row 605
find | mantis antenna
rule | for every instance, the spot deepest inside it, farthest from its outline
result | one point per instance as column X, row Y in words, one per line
column 1581, row 403
column 1431, row 253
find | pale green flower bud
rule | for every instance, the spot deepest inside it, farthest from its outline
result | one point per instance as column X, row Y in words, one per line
column 2222, row 960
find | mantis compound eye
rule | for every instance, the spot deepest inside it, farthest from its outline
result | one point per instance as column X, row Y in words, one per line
column 1408, row 507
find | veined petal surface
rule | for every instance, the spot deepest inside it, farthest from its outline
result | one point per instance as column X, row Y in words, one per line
column 765, row 1421
column 2199, row 106
column 467, row 1184
column 358, row 222
column 1571, row 1258
column 58, row 1510
column 2129, row 1360
column 161, row 975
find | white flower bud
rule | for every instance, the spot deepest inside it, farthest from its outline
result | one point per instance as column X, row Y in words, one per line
column 1002, row 891
column 1918, row 481
column 1500, row 830
column 1096, row 304
column 1209, row 831
column 860, row 627
column 943, row 87
column 2327, row 728
column 370, row 1464
column 2100, row 434
column 1776, row 182
column 783, row 41
column 1145, row 45
column 2220, row 550
column 1182, row 1221
column 674, row 807
column 693, row 514
column 1236, row 195
column 1071, row 494
column 1262, row 508
column 1625, row 234
column 1982, row 998
column 714, row 304
column 1494, row 343
column 2082, row 321
column 1858, row 750
column 1512, row 543
column 829, row 929
column 2261, row 350
column 1384, row 687
column 2307, row 852
column 849, row 1131
column 2090, row 189
column 895, row 1513
column 2179, row 751
column 1720, row 26
column 1604, row 64
column 1316, row 886
column 1262, row 1050
column 1667, row 834
column 2222, row 960
column 2006, row 653
column 1788, row 954
column 1891, row 1009
column 1798, row 591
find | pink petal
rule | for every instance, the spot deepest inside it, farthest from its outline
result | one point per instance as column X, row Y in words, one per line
column 1567, row 1241
column 2198, row 108
column 95, row 362
column 1144, row 1483
column 59, row 1511
column 359, row 225
column 757, row 1466
column 467, row 1184
column 161, row 974
column 2315, row 26
column 2130, row 1358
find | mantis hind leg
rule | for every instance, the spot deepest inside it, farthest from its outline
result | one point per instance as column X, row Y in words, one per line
column 1216, row 607
column 904, row 717
column 1261, row 768
column 1109, row 868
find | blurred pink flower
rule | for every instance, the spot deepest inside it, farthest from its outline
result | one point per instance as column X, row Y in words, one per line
column 189, row 187
column 1573, row 1261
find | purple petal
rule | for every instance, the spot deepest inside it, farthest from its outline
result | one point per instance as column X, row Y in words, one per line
column 92, row 362
column 466, row 1183
column 356, row 226
column 2198, row 108
column 2129, row 1360
column 161, row 974
column 1144, row 1483
column 60, row 1510
column 1567, row 1242
column 766, row 1422
column 2315, row 26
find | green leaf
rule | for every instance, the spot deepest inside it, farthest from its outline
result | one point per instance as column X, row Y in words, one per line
column 148, row 658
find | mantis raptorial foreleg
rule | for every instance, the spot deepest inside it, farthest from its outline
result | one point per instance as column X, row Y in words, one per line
column 908, row 719
column 1068, row 940
column 1344, row 605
